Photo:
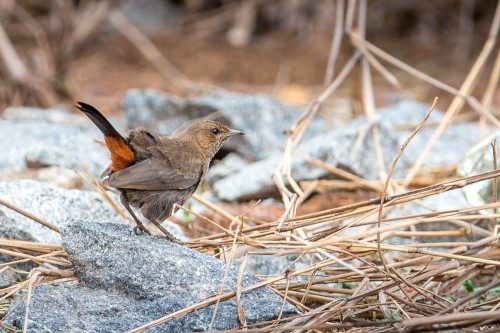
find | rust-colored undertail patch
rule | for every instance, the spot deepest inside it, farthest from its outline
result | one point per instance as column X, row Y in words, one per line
column 121, row 154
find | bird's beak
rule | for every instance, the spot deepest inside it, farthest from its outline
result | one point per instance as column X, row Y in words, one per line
column 232, row 132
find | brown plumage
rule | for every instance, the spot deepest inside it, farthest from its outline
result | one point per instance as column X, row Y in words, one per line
column 153, row 173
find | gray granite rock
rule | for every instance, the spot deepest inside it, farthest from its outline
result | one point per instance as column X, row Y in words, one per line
column 40, row 138
column 478, row 160
column 54, row 204
column 262, row 118
column 451, row 200
column 338, row 147
column 127, row 281
column 55, row 115
column 404, row 116
column 232, row 163
column 268, row 265
column 254, row 181
column 447, row 201
column 58, row 205
column 60, row 176
column 408, row 114
column 9, row 230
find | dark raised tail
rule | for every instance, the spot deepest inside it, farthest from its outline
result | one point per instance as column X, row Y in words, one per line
column 99, row 120
column 122, row 155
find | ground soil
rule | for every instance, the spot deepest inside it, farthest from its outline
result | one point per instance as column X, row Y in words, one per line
column 281, row 65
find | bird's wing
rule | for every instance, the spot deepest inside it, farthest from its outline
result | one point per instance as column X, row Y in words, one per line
column 153, row 174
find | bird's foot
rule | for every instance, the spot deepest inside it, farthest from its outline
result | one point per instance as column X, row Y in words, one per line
column 166, row 235
column 140, row 229
column 171, row 238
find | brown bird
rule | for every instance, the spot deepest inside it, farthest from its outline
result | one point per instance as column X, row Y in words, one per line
column 154, row 173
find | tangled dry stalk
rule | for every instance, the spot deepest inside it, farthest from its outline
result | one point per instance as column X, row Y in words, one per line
column 337, row 278
column 346, row 271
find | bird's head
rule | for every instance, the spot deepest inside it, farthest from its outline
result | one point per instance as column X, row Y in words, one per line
column 207, row 135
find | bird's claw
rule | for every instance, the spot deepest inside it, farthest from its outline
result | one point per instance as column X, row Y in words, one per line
column 171, row 239
column 140, row 229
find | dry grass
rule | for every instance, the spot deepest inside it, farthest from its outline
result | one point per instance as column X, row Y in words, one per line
column 356, row 267
column 343, row 283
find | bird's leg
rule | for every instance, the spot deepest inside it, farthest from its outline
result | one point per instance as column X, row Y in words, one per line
column 168, row 235
column 139, row 226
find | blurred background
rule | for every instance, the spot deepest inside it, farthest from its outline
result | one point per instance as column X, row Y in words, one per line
column 55, row 52
column 326, row 91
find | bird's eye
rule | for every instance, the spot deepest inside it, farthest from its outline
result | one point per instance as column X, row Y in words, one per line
column 215, row 130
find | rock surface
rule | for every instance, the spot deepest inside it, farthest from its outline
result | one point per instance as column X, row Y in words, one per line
column 404, row 116
column 8, row 229
column 41, row 138
column 478, row 160
column 343, row 148
column 127, row 281
column 57, row 205
column 53, row 204
column 339, row 148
